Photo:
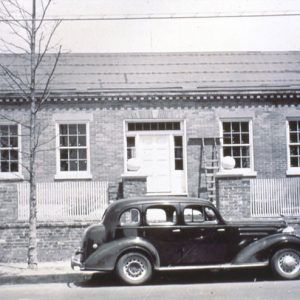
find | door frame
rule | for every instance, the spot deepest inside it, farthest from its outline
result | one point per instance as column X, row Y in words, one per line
column 169, row 132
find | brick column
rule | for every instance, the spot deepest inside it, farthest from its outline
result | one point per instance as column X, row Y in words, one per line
column 234, row 197
column 134, row 185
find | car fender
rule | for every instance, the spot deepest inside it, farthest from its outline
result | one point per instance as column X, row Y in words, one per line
column 248, row 254
column 105, row 257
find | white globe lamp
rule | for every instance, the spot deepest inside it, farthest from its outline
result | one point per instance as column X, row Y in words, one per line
column 228, row 163
column 133, row 164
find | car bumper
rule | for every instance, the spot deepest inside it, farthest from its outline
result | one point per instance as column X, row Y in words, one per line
column 76, row 261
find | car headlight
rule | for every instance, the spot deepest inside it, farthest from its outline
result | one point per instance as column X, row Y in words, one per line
column 289, row 230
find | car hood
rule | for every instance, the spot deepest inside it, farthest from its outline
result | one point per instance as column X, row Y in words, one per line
column 259, row 228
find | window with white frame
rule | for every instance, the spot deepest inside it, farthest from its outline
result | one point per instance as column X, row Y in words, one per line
column 73, row 147
column 9, row 149
column 237, row 142
column 294, row 143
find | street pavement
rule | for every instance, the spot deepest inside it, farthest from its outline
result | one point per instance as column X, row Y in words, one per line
column 179, row 286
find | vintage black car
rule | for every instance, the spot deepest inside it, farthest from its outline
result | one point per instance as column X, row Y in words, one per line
column 138, row 236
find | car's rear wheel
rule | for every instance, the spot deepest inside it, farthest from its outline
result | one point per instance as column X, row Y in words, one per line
column 134, row 268
column 286, row 263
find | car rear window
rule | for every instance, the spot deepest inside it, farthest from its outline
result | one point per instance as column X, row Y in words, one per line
column 130, row 217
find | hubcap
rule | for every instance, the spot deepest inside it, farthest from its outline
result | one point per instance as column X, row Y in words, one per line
column 289, row 262
column 135, row 267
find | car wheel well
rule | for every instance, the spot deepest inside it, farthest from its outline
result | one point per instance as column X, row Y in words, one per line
column 283, row 246
column 136, row 250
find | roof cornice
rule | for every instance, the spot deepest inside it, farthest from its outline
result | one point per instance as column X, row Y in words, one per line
column 161, row 95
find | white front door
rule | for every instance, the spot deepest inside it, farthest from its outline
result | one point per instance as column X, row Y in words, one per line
column 154, row 152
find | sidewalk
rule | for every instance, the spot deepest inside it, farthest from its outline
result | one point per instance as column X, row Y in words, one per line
column 47, row 272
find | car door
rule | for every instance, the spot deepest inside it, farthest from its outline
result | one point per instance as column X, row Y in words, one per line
column 206, row 239
column 161, row 229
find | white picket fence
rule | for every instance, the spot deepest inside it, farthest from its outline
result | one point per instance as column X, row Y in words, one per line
column 273, row 197
column 65, row 201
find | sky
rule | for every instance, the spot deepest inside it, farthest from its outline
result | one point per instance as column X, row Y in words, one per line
column 174, row 35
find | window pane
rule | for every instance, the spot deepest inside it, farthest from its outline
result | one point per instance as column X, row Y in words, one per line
column 82, row 165
column 13, row 130
column 13, row 142
column 64, row 165
column 131, row 127
column 178, row 153
column 64, row 154
column 4, row 142
column 238, row 162
column 82, row 129
column 236, row 139
column 294, row 162
column 73, row 165
column 14, row 167
column 130, row 141
column 178, row 164
column 227, row 151
column 245, row 139
column 138, row 126
column 193, row 215
column 244, row 126
column 178, row 141
column 63, row 129
column 246, row 162
column 154, row 126
column 82, row 153
column 161, row 216
column 4, row 155
column 73, row 154
column 13, row 154
column 82, row 141
column 146, row 126
column 236, row 151
column 130, row 218
column 245, row 151
column 73, row 129
column 294, row 138
column 294, row 150
column 235, row 127
column 227, row 139
column 176, row 125
column 4, row 166
column 293, row 125
column 73, row 141
column 226, row 127
column 4, row 130
column 64, row 141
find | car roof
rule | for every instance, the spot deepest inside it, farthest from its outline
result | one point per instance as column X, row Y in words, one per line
column 157, row 199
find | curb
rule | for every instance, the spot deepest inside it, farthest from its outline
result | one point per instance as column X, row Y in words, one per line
column 44, row 278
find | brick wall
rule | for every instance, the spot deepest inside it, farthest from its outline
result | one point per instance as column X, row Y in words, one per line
column 56, row 241
column 133, row 187
column 234, row 198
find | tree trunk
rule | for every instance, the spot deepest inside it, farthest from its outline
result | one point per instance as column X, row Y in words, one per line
column 32, row 247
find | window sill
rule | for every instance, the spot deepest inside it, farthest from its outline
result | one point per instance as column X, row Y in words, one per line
column 293, row 172
column 133, row 175
column 73, row 175
column 236, row 173
column 11, row 176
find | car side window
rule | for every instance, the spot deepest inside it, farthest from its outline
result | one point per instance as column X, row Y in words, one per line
column 210, row 215
column 161, row 215
column 130, row 217
column 193, row 215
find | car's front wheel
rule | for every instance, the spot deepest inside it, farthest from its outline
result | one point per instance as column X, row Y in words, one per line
column 286, row 263
column 134, row 268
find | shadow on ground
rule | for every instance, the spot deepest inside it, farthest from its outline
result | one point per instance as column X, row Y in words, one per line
column 184, row 277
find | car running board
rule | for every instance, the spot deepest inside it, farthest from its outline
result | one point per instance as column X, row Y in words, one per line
column 222, row 266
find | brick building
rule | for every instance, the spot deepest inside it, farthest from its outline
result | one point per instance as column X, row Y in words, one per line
column 154, row 124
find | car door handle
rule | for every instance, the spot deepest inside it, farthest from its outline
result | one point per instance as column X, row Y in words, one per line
column 176, row 230
column 221, row 229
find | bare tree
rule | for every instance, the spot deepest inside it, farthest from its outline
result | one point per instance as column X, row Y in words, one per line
column 34, row 42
